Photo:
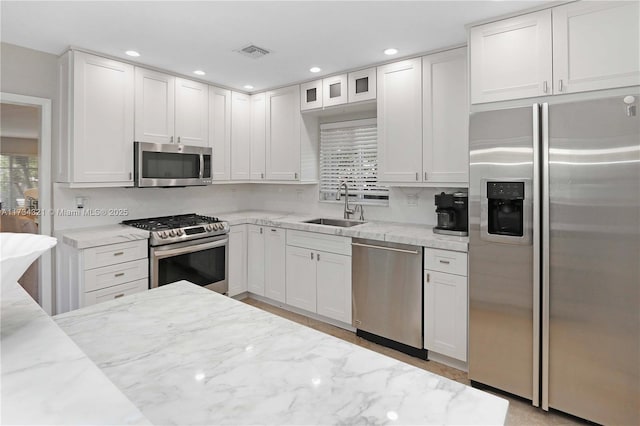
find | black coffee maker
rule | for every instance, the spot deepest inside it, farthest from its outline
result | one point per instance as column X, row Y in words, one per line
column 452, row 214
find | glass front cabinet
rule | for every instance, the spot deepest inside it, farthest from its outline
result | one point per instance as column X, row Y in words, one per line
column 334, row 90
column 311, row 95
column 362, row 85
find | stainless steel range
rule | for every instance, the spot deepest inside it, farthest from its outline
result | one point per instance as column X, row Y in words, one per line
column 187, row 247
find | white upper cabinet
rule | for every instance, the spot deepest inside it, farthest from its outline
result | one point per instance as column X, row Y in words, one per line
column 283, row 134
column 240, row 136
column 445, row 117
column 400, row 121
column 511, row 59
column 155, row 106
column 595, row 45
column 362, row 85
column 220, row 132
column 258, row 136
column 311, row 95
column 97, row 127
column 192, row 117
column 334, row 90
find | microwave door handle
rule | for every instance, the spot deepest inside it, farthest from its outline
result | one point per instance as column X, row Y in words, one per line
column 160, row 254
column 201, row 174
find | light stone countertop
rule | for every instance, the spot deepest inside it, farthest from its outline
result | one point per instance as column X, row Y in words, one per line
column 418, row 235
column 94, row 236
column 46, row 378
column 186, row 355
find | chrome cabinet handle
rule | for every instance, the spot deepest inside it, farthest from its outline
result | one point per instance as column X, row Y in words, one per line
column 118, row 295
column 295, row 175
column 560, row 85
column 446, row 262
column 130, row 177
column 261, row 175
column 318, row 257
column 311, row 255
column 178, row 139
column 425, row 176
column 428, row 277
column 417, row 176
column 119, row 274
column 545, row 86
column 261, row 230
column 120, row 253
column 274, row 230
column 171, row 139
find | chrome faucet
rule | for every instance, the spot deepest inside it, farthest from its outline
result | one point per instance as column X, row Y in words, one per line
column 347, row 211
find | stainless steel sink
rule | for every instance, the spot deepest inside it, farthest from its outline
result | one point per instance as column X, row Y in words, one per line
column 344, row 223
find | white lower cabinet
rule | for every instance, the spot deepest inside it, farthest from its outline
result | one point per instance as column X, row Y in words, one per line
column 319, row 281
column 97, row 274
column 237, row 260
column 445, row 307
column 255, row 259
column 274, row 266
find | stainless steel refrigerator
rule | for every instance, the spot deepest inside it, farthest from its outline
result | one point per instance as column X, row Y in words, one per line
column 554, row 256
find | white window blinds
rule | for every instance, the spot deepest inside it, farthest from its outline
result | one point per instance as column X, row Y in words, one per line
column 349, row 152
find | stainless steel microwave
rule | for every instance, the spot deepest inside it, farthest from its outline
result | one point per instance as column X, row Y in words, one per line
column 166, row 165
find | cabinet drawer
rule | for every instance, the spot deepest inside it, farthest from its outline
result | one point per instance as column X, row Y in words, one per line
column 115, row 292
column 451, row 262
column 322, row 242
column 112, row 254
column 108, row 276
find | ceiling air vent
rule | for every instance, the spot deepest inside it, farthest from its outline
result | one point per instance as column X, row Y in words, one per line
column 253, row 51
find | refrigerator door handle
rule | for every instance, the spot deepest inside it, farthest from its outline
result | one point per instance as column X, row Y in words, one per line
column 536, row 255
column 545, row 200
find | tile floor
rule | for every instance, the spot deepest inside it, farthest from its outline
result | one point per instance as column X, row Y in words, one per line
column 520, row 412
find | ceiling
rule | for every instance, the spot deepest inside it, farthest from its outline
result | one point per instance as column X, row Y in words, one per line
column 183, row 36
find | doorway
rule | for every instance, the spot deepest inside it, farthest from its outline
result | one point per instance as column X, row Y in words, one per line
column 25, row 182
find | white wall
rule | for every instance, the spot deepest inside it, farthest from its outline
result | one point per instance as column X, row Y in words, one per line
column 143, row 202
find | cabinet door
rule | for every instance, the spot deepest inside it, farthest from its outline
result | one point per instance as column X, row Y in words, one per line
column 220, row 132
column 311, row 95
column 155, row 102
column 596, row 45
column 511, row 59
column 400, row 121
column 445, row 117
column 237, row 260
column 240, row 136
column 334, row 90
column 333, row 278
column 103, row 108
column 445, row 314
column 274, row 267
column 255, row 259
column 362, row 85
column 192, row 112
column 258, row 136
column 301, row 278
column 283, row 134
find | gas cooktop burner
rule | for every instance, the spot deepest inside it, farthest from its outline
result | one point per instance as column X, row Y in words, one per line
column 183, row 227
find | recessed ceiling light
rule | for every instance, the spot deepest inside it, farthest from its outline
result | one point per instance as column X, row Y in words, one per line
column 199, row 72
column 315, row 69
column 390, row 51
column 132, row 53
column 248, row 86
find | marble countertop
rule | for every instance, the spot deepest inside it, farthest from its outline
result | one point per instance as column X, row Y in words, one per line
column 46, row 378
column 186, row 355
column 418, row 235
column 81, row 238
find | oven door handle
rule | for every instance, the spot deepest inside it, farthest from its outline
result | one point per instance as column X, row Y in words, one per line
column 160, row 253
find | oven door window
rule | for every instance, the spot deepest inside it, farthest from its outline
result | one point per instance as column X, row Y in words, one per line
column 202, row 267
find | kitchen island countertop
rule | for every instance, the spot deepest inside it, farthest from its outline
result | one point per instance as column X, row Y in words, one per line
column 185, row 355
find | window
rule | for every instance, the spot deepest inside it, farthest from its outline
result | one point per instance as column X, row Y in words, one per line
column 349, row 152
column 17, row 174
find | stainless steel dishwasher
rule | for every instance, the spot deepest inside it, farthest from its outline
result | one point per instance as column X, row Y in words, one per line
column 387, row 294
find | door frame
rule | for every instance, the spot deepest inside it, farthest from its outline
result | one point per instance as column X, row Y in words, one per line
column 45, row 185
